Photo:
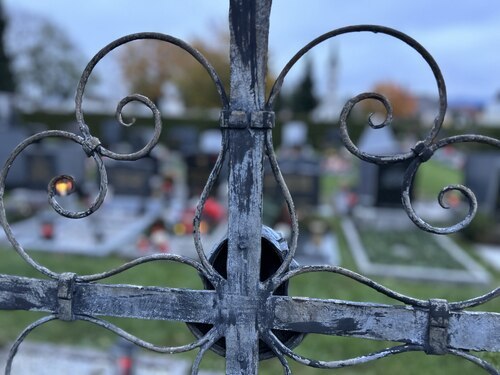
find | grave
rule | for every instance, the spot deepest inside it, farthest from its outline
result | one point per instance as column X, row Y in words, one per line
column 9, row 140
column 45, row 161
column 482, row 176
column 381, row 237
column 300, row 167
column 35, row 167
column 117, row 224
column 133, row 178
column 111, row 133
column 10, row 136
column 380, row 185
column 411, row 254
column 200, row 164
column 183, row 139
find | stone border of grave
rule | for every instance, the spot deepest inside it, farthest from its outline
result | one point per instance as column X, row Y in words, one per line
column 473, row 272
column 490, row 254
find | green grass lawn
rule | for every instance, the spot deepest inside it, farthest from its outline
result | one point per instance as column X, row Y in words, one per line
column 431, row 177
column 172, row 333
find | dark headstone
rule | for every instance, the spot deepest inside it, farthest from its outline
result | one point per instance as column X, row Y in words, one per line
column 199, row 167
column 389, row 182
column 6, row 111
column 183, row 139
column 302, row 174
column 380, row 185
column 111, row 132
column 44, row 162
column 200, row 164
column 482, row 176
column 132, row 177
column 8, row 141
column 299, row 165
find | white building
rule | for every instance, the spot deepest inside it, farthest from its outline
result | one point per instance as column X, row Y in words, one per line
column 491, row 113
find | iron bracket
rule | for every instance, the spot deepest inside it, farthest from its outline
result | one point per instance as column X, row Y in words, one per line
column 245, row 120
column 65, row 290
column 439, row 318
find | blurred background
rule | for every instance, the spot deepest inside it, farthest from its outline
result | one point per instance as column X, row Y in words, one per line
column 350, row 211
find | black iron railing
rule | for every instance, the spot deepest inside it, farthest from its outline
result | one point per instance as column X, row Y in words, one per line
column 255, row 317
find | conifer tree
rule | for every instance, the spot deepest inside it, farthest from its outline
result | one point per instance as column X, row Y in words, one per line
column 7, row 83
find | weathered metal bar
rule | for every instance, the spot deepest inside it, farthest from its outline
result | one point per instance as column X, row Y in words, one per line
column 249, row 27
column 332, row 317
column 20, row 293
column 385, row 322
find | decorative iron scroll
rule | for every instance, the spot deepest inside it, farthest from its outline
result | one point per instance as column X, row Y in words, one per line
column 433, row 326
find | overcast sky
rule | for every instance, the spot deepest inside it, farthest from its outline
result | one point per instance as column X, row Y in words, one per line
column 463, row 36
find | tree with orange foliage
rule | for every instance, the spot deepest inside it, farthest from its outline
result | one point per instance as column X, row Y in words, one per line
column 148, row 65
column 404, row 104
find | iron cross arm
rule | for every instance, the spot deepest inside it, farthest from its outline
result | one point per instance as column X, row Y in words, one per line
column 417, row 326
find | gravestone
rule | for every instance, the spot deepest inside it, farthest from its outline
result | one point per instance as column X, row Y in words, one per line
column 6, row 111
column 132, row 178
column 301, row 174
column 482, row 176
column 388, row 189
column 299, row 165
column 380, row 185
column 183, row 138
column 10, row 136
column 45, row 161
column 111, row 132
column 200, row 164
column 198, row 170
column 8, row 141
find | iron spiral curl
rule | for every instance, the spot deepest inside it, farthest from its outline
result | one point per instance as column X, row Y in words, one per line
column 422, row 154
column 98, row 200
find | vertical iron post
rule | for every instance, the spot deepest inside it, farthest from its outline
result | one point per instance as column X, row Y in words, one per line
column 249, row 27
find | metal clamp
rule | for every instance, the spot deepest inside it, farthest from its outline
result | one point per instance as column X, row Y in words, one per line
column 65, row 290
column 422, row 151
column 90, row 145
column 439, row 316
column 244, row 120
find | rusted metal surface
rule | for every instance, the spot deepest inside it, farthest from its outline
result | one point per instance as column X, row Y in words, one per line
column 253, row 313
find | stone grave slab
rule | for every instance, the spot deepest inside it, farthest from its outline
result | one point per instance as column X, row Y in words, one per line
column 115, row 225
column 435, row 258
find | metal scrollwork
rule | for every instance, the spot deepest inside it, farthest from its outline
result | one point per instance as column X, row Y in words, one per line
column 423, row 153
column 93, row 148
column 240, row 307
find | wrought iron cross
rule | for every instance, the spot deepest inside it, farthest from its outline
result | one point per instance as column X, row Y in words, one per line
column 253, row 315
